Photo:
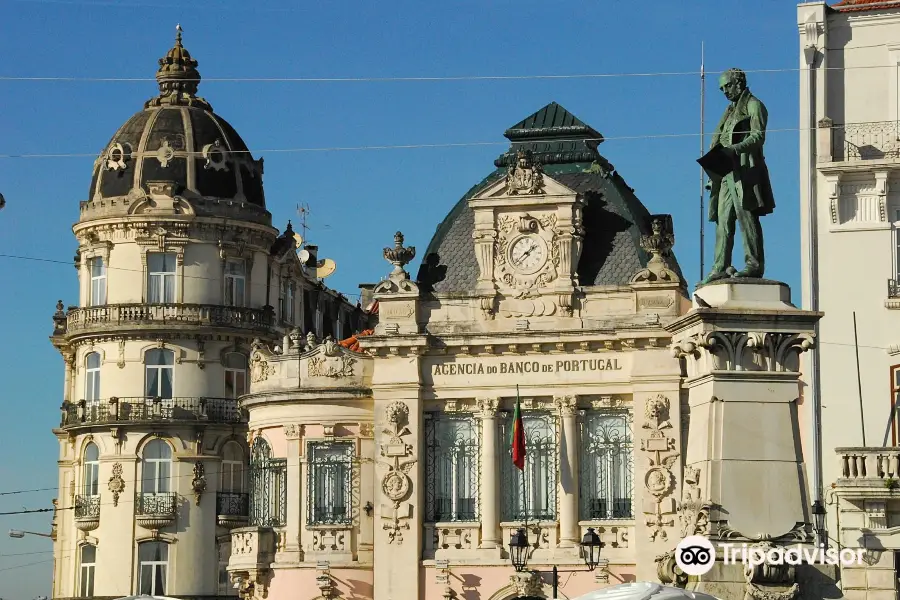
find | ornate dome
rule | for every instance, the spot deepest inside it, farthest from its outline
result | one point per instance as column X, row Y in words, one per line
column 180, row 144
column 614, row 218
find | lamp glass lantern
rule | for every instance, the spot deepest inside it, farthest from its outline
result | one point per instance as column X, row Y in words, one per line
column 819, row 514
column 590, row 548
column 518, row 549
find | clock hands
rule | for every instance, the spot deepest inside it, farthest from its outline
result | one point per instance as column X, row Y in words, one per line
column 525, row 255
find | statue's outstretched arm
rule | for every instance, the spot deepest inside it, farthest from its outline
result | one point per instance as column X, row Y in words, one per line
column 757, row 136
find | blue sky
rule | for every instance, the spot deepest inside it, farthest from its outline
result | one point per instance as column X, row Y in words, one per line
column 358, row 198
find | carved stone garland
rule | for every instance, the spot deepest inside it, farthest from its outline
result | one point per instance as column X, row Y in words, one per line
column 198, row 484
column 659, row 479
column 396, row 483
column 116, row 483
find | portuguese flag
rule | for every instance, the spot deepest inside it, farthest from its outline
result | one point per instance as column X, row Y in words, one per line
column 517, row 436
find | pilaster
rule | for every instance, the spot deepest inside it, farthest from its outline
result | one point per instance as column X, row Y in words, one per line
column 490, row 474
column 569, row 531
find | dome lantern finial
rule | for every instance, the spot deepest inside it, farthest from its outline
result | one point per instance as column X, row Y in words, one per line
column 178, row 77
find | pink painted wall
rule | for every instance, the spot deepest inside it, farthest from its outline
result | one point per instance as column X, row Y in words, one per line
column 300, row 584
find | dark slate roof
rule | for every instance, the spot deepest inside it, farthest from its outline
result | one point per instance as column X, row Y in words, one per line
column 614, row 218
column 178, row 138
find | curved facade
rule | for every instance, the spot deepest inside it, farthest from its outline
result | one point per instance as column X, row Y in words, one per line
column 153, row 443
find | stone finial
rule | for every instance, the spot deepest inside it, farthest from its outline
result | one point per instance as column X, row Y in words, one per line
column 178, row 77
column 399, row 257
column 659, row 245
column 59, row 318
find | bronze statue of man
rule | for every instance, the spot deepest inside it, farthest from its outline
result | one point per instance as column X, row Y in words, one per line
column 740, row 192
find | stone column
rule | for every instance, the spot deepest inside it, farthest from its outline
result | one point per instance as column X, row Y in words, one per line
column 69, row 380
column 568, row 482
column 490, row 474
column 291, row 551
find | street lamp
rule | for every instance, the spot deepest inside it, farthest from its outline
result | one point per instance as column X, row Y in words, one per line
column 818, row 511
column 589, row 550
column 518, row 549
column 19, row 534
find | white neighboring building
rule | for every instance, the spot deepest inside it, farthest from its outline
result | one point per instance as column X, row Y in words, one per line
column 180, row 270
column 850, row 212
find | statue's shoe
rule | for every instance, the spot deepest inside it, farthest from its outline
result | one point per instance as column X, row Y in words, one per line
column 755, row 273
column 714, row 276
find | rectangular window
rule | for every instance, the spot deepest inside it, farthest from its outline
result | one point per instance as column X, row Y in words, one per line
column 895, row 404
column 160, row 369
column 225, row 586
column 98, row 281
column 160, row 277
column 268, row 488
column 330, row 467
column 540, row 470
column 87, row 571
column 607, row 469
column 153, row 560
column 234, row 283
column 235, row 375
column 452, row 452
column 289, row 303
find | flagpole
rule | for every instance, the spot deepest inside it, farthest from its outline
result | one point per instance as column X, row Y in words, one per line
column 524, row 494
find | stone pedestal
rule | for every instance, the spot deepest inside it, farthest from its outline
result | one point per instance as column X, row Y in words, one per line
column 740, row 345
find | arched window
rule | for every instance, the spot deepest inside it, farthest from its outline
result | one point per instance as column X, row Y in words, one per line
column 235, row 374
column 153, row 563
column 91, row 481
column 88, row 560
column 92, row 378
column 268, row 487
column 157, row 468
column 232, row 479
column 160, row 364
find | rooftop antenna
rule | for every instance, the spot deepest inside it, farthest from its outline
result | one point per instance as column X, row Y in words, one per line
column 304, row 212
column 702, row 152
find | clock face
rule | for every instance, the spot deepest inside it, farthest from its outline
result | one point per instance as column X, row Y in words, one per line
column 527, row 253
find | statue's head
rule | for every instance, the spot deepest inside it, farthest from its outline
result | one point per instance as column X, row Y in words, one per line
column 733, row 82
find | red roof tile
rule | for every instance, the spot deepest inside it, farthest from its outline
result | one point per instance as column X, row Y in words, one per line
column 861, row 5
column 352, row 342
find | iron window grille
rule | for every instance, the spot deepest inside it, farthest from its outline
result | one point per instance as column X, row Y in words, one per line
column 232, row 504
column 452, row 467
column 268, row 487
column 330, row 483
column 607, row 465
column 541, row 468
column 87, row 506
column 155, row 504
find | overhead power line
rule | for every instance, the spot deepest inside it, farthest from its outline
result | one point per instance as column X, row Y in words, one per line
column 652, row 136
column 421, row 78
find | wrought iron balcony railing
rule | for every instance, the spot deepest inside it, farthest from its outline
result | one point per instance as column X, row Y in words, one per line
column 877, row 140
column 144, row 409
column 87, row 507
column 155, row 504
column 233, row 504
column 115, row 315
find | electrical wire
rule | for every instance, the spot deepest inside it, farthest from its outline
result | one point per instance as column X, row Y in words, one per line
column 653, row 136
column 422, row 78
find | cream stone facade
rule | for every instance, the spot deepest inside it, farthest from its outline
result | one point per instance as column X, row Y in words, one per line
column 179, row 272
column 850, row 212
column 231, row 426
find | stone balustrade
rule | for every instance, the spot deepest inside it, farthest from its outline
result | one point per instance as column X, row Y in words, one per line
column 114, row 316
column 862, row 467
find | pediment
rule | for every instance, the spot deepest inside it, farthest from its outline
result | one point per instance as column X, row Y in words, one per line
column 500, row 189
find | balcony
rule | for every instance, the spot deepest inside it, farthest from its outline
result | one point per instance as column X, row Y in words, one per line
column 112, row 317
column 868, row 472
column 155, row 509
column 87, row 512
column 232, row 509
column 150, row 410
column 878, row 140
